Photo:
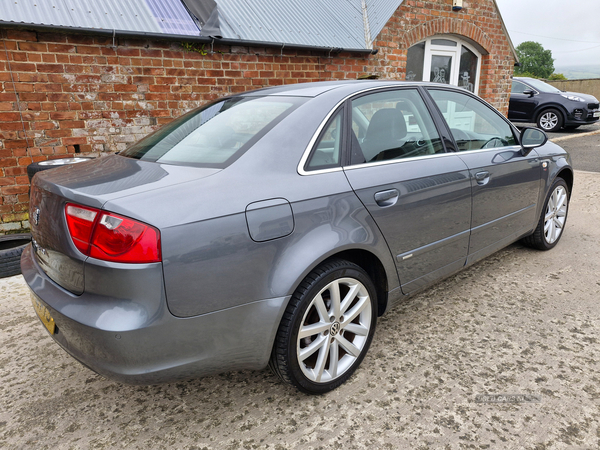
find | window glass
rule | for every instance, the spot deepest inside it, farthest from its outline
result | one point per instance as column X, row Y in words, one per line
column 473, row 124
column 468, row 69
column 446, row 42
column 392, row 125
column 441, row 67
column 518, row 87
column 327, row 151
column 543, row 87
column 415, row 58
column 214, row 135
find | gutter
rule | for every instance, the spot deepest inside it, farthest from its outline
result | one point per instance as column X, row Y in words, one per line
column 182, row 37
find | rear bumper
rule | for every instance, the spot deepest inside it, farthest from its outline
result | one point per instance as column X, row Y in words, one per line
column 138, row 341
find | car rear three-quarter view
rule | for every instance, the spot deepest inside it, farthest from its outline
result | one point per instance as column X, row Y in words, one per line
column 274, row 227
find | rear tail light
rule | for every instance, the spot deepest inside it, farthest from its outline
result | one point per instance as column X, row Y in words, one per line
column 111, row 237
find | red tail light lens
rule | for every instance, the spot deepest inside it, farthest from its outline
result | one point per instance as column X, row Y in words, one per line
column 110, row 237
column 81, row 222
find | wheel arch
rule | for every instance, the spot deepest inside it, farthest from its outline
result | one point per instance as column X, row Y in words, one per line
column 544, row 107
column 374, row 268
column 566, row 174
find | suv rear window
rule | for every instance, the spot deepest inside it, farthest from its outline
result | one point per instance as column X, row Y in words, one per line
column 214, row 135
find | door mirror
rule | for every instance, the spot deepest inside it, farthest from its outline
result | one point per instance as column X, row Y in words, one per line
column 532, row 138
column 529, row 92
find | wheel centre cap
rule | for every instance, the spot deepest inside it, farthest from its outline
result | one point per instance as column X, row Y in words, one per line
column 335, row 328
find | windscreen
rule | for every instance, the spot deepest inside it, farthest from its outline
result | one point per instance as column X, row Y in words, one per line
column 543, row 87
column 214, row 135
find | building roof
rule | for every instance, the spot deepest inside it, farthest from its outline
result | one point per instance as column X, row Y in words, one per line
column 152, row 16
column 347, row 24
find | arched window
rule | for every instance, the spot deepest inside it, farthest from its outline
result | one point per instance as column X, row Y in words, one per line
column 444, row 59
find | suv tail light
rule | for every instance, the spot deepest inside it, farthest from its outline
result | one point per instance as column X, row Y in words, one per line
column 111, row 237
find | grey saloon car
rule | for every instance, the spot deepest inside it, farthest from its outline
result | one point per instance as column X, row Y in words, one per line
column 274, row 227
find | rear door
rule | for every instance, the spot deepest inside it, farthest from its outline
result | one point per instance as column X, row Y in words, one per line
column 505, row 183
column 419, row 195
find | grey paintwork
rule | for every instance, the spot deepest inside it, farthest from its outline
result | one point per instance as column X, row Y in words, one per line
column 237, row 242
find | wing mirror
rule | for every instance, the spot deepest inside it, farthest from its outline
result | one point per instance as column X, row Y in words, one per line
column 529, row 92
column 532, row 138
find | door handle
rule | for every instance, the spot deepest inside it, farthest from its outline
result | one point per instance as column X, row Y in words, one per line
column 482, row 178
column 387, row 198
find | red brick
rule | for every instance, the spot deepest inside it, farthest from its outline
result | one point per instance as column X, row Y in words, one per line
column 74, row 141
column 50, row 68
column 71, row 124
column 82, row 49
column 70, row 115
column 21, row 35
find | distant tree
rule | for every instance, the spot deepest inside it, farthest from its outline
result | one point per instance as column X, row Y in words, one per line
column 526, row 74
column 534, row 59
column 557, row 77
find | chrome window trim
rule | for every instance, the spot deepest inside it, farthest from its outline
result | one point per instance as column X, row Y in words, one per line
column 315, row 136
column 435, row 155
column 399, row 160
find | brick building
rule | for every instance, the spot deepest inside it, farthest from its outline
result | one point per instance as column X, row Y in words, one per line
column 70, row 84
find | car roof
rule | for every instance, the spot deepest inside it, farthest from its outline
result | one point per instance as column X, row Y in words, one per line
column 317, row 88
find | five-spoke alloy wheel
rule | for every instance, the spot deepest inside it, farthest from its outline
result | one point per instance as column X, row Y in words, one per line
column 327, row 328
column 553, row 218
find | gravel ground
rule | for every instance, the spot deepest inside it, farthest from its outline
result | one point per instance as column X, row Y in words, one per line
column 521, row 323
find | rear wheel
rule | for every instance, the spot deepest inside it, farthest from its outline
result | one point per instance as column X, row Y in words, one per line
column 550, row 120
column 553, row 219
column 326, row 329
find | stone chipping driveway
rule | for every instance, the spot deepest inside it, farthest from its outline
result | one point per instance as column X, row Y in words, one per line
column 504, row 355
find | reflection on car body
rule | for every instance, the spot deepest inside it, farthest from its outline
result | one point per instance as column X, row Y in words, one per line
column 275, row 226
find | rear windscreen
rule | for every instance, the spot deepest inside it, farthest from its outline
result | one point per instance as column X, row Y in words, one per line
column 214, row 135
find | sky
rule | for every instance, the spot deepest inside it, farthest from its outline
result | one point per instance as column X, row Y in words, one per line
column 569, row 28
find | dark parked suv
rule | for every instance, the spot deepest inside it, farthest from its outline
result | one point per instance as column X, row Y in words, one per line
column 533, row 100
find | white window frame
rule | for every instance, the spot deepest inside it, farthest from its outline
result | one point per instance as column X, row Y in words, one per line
column 454, row 52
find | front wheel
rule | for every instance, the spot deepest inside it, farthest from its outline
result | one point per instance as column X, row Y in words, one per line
column 326, row 329
column 550, row 120
column 553, row 219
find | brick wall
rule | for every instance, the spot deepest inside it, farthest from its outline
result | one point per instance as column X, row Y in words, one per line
column 63, row 94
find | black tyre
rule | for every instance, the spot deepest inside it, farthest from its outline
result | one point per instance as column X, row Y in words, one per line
column 11, row 248
column 571, row 127
column 34, row 168
column 326, row 329
column 550, row 120
column 553, row 218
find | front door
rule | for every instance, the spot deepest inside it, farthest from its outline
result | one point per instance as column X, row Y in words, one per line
column 505, row 183
column 421, row 199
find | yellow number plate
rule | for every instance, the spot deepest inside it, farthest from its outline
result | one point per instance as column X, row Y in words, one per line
column 43, row 314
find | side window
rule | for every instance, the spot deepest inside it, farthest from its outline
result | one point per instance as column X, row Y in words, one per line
column 391, row 125
column 518, row 88
column 326, row 153
column 473, row 124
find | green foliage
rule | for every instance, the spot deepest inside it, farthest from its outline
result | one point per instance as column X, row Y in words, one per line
column 557, row 77
column 525, row 74
column 534, row 59
column 190, row 47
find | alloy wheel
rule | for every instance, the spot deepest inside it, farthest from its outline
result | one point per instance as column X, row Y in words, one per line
column 549, row 120
column 556, row 214
column 334, row 330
